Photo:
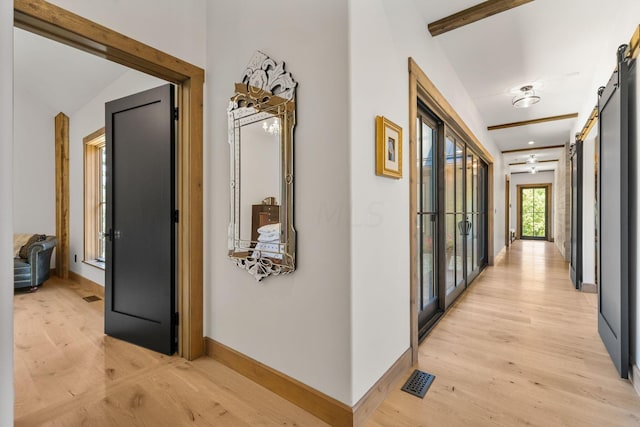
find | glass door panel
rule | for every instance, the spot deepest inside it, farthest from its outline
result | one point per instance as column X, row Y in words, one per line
column 428, row 271
column 427, row 221
column 471, row 232
column 481, row 224
column 450, row 252
column 471, row 187
column 428, row 176
column 533, row 211
column 449, row 176
column 450, row 209
column 461, row 226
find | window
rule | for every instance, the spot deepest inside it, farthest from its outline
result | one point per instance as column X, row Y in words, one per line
column 95, row 198
column 534, row 207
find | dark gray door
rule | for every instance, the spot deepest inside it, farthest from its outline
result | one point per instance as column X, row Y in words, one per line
column 613, row 212
column 576, row 215
column 140, row 254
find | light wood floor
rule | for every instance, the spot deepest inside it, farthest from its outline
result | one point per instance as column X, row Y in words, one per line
column 519, row 348
column 67, row 373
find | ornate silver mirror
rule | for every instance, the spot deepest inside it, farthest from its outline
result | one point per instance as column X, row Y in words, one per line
column 262, row 239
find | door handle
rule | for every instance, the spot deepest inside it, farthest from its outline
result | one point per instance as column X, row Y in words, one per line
column 111, row 234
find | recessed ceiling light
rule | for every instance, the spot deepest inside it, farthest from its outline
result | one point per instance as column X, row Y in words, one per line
column 531, row 142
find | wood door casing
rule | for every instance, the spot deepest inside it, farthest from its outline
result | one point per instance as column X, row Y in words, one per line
column 58, row 24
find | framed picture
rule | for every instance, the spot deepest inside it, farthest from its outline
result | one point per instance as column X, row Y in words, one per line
column 388, row 148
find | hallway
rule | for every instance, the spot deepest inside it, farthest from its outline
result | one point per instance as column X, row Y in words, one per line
column 520, row 348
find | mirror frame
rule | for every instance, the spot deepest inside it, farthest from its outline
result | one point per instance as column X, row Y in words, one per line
column 266, row 90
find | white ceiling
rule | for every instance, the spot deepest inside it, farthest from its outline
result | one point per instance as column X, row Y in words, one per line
column 546, row 134
column 62, row 78
column 546, row 160
column 567, row 49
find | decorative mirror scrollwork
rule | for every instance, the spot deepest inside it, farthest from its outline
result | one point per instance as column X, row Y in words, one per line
column 261, row 236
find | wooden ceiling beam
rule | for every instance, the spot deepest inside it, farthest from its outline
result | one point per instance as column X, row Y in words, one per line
column 473, row 14
column 634, row 43
column 534, row 121
column 519, row 150
column 532, row 164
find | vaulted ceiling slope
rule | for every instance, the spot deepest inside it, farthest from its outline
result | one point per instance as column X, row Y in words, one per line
column 565, row 49
column 60, row 77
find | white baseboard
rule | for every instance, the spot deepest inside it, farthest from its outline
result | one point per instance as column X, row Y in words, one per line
column 634, row 377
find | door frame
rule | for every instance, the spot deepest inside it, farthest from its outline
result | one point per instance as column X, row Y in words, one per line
column 547, row 225
column 53, row 22
column 507, row 211
column 576, row 162
column 421, row 87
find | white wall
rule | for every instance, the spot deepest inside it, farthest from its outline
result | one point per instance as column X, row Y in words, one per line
column 561, row 223
column 383, row 34
column 298, row 324
column 83, row 122
column 6, row 214
column 34, row 191
column 175, row 27
column 526, row 179
column 589, row 208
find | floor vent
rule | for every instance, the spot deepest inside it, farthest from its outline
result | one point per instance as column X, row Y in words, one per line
column 418, row 383
column 91, row 298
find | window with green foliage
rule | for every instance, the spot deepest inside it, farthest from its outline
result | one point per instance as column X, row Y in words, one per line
column 95, row 174
column 534, row 212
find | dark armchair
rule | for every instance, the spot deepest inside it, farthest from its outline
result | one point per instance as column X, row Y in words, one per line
column 31, row 272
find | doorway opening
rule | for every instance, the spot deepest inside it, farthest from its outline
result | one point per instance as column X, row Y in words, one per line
column 534, row 211
column 63, row 26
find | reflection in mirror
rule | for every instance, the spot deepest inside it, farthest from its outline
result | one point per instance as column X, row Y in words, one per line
column 261, row 121
column 260, row 173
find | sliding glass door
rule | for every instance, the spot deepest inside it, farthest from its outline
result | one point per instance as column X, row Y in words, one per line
column 465, row 178
column 451, row 217
column 427, row 218
column 455, row 225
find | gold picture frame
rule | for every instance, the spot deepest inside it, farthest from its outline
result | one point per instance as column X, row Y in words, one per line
column 388, row 148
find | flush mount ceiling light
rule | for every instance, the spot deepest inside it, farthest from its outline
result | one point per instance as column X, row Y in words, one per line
column 526, row 98
column 531, row 142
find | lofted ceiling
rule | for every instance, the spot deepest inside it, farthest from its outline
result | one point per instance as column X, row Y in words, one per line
column 565, row 49
column 61, row 77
